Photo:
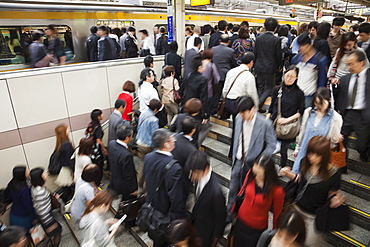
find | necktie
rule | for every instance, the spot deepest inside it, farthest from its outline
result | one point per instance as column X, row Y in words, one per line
column 197, row 192
column 351, row 100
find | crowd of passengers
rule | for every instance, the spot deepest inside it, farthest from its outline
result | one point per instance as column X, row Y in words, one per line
column 319, row 78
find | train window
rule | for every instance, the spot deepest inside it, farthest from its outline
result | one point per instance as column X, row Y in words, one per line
column 14, row 42
column 157, row 26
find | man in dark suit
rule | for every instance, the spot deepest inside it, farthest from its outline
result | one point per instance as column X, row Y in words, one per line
column 169, row 199
column 235, row 35
column 115, row 119
column 108, row 49
column 268, row 60
column 92, row 45
column 209, row 211
column 253, row 136
column 121, row 161
column 190, row 54
column 224, row 59
column 215, row 38
column 364, row 34
column 172, row 58
column 354, row 102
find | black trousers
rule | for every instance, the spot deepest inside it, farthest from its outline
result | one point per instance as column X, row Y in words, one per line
column 265, row 85
column 230, row 108
column 353, row 121
column 284, row 151
column 216, row 97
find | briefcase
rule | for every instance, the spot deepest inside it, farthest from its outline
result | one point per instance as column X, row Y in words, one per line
column 131, row 207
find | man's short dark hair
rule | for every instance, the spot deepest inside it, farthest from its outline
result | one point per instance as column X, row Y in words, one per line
column 245, row 104
column 338, row 21
column 230, row 26
column 155, row 104
column 271, row 24
column 148, row 60
column 207, row 28
column 124, row 30
column 119, row 103
column 131, row 29
column 124, row 132
column 103, row 28
column 304, row 39
column 144, row 73
column 222, row 25
column 197, row 41
column 196, row 62
column 247, row 58
column 197, row 160
column 36, row 35
column 192, row 106
column 93, row 29
column 244, row 23
column 364, row 28
column 36, row 177
column 144, row 31
column 91, row 173
column 174, row 46
column 224, row 38
column 162, row 29
column 187, row 125
column 236, row 28
column 160, row 137
column 360, row 55
column 12, row 235
column 289, row 26
column 313, row 24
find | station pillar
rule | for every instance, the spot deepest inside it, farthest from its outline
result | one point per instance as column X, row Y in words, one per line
column 179, row 24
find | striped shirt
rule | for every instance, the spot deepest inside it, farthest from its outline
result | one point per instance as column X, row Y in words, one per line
column 42, row 204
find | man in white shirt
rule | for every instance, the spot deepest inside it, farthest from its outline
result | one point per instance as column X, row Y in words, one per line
column 190, row 43
column 147, row 44
column 146, row 91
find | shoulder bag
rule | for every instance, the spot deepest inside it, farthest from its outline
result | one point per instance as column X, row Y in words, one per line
column 221, row 113
column 131, row 207
column 338, row 155
column 289, row 130
column 150, row 219
column 176, row 95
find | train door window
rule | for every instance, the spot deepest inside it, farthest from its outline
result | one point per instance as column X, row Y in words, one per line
column 157, row 26
column 11, row 51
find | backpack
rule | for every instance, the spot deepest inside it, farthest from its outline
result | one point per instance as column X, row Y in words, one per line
column 162, row 46
column 54, row 165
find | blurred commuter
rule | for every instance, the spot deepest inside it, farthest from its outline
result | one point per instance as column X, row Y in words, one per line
column 318, row 120
column 182, row 234
column 207, row 29
column 318, row 181
column 354, row 104
column 262, row 191
column 169, row 198
column 292, row 106
column 42, row 205
column 18, row 192
column 335, row 35
column 211, row 74
column 82, row 156
column 364, row 34
column 172, row 58
column 215, row 38
column 312, row 67
column 115, row 119
column 283, row 32
column 268, row 60
column 131, row 43
column 108, row 48
column 168, row 85
column 85, row 191
column 209, row 211
column 196, row 33
column 312, row 30
column 235, row 35
column 112, row 35
column 224, row 59
column 95, row 131
column 188, row 33
column 189, row 55
column 146, row 90
column 250, row 128
column 38, row 52
column 128, row 88
column 65, row 150
column 55, row 46
column 294, row 46
column 92, row 45
column 242, row 44
column 122, row 42
column 291, row 232
column 94, row 225
column 161, row 44
column 14, row 236
column 321, row 41
column 147, row 45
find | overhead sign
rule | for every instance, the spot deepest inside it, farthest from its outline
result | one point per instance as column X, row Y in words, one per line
column 363, row 11
column 201, row 2
column 287, row 2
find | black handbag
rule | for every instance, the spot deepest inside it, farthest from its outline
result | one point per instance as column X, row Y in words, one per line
column 332, row 219
column 150, row 219
column 130, row 207
column 291, row 191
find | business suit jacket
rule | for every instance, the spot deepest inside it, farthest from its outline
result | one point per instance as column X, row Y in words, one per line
column 170, row 198
column 263, row 140
column 224, row 59
column 115, row 122
column 367, row 50
column 123, row 174
column 176, row 126
column 173, row 59
column 189, row 54
column 233, row 38
column 342, row 90
column 183, row 149
column 209, row 212
column 268, row 53
column 215, row 39
column 92, row 48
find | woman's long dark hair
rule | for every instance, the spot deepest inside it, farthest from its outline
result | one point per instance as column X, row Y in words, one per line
column 294, row 224
column 322, row 93
column 271, row 177
column 296, row 69
column 19, row 180
column 95, row 115
column 349, row 36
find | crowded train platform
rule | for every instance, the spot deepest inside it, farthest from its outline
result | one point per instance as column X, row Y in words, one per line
column 224, row 128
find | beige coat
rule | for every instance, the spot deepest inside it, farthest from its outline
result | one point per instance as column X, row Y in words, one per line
column 167, row 89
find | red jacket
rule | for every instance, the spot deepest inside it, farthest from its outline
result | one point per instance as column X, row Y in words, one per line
column 254, row 210
column 128, row 99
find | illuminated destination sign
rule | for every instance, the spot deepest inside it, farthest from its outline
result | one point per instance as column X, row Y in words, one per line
column 201, row 2
column 363, row 11
column 287, row 2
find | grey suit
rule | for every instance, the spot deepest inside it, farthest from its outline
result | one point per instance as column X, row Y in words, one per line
column 189, row 54
column 263, row 141
column 115, row 122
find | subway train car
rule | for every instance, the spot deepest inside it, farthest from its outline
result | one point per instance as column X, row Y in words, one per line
column 73, row 22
